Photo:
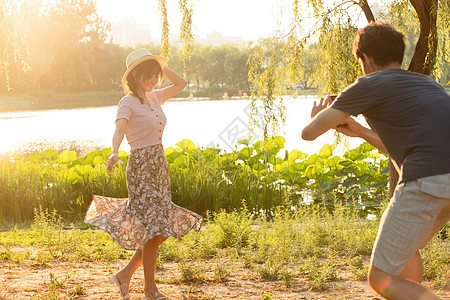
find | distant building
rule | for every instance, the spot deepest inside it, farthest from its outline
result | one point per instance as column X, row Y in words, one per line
column 129, row 33
column 212, row 38
column 216, row 38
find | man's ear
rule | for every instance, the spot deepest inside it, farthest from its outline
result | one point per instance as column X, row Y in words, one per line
column 369, row 61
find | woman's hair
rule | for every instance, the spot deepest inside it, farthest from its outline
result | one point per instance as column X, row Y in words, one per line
column 381, row 41
column 144, row 70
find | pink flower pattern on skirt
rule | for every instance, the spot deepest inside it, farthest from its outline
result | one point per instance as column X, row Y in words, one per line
column 148, row 211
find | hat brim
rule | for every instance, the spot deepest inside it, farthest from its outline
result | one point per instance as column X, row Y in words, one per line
column 160, row 59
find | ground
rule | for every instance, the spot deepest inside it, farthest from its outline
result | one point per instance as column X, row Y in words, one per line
column 89, row 280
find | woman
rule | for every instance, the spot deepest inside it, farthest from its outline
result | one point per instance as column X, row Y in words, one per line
column 145, row 219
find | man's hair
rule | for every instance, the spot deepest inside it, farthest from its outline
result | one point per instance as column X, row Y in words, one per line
column 381, row 41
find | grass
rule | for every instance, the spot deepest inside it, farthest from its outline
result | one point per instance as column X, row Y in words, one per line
column 201, row 180
column 311, row 245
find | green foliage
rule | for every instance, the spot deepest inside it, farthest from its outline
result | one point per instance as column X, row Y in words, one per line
column 318, row 272
column 78, row 291
column 270, row 270
column 356, row 266
column 165, row 45
column 441, row 70
column 15, row 16
column 337, row 66
column 436, row 261
column 186, row 35
column 269, row 84
column 191, row 272
column 58, row 242
column 221, row 272
column 312, row 241
column 202, row 179
column 232, row 229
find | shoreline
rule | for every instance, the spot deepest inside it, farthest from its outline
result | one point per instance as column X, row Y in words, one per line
column 18, row 103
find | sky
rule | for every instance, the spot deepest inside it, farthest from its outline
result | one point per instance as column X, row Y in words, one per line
column 250, row 19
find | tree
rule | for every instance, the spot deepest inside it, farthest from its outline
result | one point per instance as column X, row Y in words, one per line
column 14, row 16
column 63, row 44
column 215, row 60
column 307, row 67
column 236, row 68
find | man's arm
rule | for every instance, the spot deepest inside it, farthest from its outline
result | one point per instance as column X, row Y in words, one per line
column 322, row 122
column 353, row 129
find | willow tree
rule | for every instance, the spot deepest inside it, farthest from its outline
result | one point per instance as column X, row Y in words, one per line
column 14, row 15
column 186, row 33
column 334, row 25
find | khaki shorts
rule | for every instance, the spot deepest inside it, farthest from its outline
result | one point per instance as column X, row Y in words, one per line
column 416, row 212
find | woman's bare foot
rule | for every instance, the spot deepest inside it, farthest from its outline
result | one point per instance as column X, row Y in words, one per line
column 124, row 282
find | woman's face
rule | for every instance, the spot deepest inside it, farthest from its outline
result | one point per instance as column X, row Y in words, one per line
column 147, row 84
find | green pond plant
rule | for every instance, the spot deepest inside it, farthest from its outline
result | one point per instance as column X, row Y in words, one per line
column 261, row 175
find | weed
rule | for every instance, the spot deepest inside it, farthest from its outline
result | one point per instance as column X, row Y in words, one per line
column 78, row 291
column 270, row 270
column 14, row 256
column 232, row 229
column 266, row 296
column 357, row 268
column 191, row 272
column 318, row 273
column 55, row 283
column 286, row 276
column 221, row 272
column 43, row 258
column 436, row 262
column 5, row 255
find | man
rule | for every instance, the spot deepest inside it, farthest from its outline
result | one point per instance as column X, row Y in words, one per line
column 409, row 116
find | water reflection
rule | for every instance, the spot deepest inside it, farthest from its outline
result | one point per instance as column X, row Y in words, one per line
column 206, row 123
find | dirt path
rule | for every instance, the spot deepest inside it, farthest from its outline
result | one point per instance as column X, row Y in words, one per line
column 87, row 280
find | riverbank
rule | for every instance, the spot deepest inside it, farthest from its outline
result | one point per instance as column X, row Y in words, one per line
column 52, row 100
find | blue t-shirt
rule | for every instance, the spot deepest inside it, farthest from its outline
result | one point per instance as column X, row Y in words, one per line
column 410, row 113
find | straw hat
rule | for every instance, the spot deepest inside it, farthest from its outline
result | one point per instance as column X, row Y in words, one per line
column 138, row 56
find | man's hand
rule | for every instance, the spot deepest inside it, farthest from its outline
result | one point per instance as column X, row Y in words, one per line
column 323, row 103
column 350, row 128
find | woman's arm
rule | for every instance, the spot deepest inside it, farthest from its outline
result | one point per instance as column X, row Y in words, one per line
column 178, row 83
column 119, row 133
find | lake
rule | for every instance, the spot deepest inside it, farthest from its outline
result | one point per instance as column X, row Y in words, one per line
column 219, row 123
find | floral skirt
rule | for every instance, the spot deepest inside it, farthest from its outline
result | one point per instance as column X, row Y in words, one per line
column 148, row 211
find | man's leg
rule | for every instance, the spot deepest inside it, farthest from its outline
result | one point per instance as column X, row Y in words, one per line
column 415, row 214
column 396, row 287
column 414, row 269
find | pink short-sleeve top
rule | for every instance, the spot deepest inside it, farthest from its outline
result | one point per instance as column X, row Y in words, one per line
column 145, row 122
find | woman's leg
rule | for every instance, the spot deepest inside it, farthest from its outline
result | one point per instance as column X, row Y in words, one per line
column 149, row 256
column 124, row 275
